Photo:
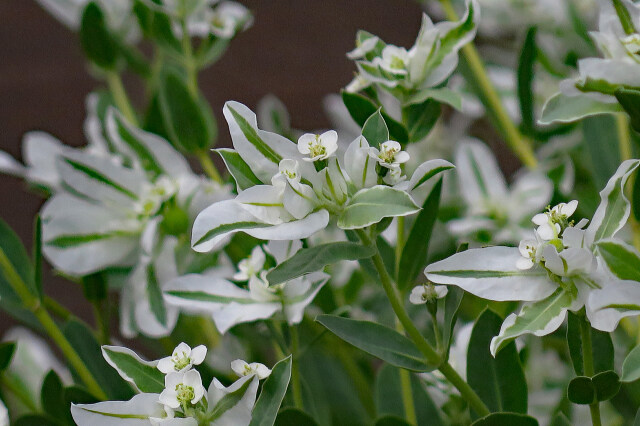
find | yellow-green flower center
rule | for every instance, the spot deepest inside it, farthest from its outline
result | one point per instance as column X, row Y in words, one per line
column 316, row 149
column 185, row 393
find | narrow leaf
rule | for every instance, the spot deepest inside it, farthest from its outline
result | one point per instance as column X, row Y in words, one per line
column 143, row 374
column 241, row 172
column 272, row 394
column 316, row 258
column 97, row 43
column 377, row 340
column 566, row 109
column 526, row 66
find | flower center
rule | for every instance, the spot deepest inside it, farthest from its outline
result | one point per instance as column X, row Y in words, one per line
column 396, row 63
column 388, row 155
column 184, row 393
column 181, row 361
column 316, row 149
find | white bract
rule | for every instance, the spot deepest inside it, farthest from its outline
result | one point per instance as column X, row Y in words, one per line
column 293, row 195
column 223, row 19
column 562, row 269
column 229, row 304
column 493, row 212
column 182, row 358
column 182, row 389
column 242, row 368
column 428, row 63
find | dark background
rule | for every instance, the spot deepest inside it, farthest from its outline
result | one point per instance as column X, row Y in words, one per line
column 295, row 50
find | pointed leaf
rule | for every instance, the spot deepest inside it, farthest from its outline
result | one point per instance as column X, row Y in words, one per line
column 316, row 258
column 272, row 394
column 7, row 349
column 526, row 69
column 566, row 109
column 498, row 381
column 421, row 118
column 604, row 160
column 97, row 43
column 52, row 398
column 375, row 129
column 143, row 374
column 631, row 366
column 414, row 253
column 377, row 340
column 371, row 205
column 241, row 171
column 360, row 108
column 621, row 259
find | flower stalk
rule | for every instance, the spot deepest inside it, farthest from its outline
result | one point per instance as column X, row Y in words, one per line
column 120, row 96
column 587, row 359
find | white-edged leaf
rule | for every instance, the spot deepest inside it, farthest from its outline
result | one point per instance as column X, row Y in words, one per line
column 491, row 273
column 613, row 211
column 371, row 205
column 561, row 108
column 426, row 171
column 241, row 171
column 231, row 406
column 478, row 173
column 215, row 223
column 134, row 412
column 442, row 94
column 622, row 260
column 538, row 318
column 143, row 374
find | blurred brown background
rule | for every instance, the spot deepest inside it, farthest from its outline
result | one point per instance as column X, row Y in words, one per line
column 295, row 50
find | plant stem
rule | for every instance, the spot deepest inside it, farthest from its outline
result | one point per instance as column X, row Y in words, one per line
column 32, row 303
column 189, row 63
column 431, row 355
column 208, row 166
column 56, row 308
column 587, row 359
column 101, row 315
column 210, row 332
column 399, row 243
column 120, row 96
column 296, row 385
column 405, row 386
column 489, row 96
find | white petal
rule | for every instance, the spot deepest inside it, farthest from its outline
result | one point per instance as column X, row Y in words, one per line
column 101, row 413
column 198, row 354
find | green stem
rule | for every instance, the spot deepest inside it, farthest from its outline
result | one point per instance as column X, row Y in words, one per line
column 19, row 392
column 56, row 308
column 120, row 96
column 32, row 303
column 587, row 359
column 405, row 386
column 399, row 243
column 431, row 355
column 296, row 385
column 208, row 166
column 189, row 62
column 101, row 315
column 489, row 95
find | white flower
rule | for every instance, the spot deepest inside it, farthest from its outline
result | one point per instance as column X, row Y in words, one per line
column 427, row 293
column 290, row 170
column 362, row 48
column 318, row 147
column 555, row 220
column 242, row 368
column 228, row 18
column 250, row 266
column 182, row 359
column 394, row 60
column 182, row 389
column 528, row 250
column 390, row 155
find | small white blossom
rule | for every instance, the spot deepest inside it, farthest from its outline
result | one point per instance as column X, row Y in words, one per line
column 551, row 223
column 242, row 368
column 250, row 266
column 228, row 18
column 318, row 147
column 427, row 293
column 182, row 389
column 528, row 249
column 289, row 168
column 182, row 359
column 390, row 155
column 394, row 60
column 363, row 48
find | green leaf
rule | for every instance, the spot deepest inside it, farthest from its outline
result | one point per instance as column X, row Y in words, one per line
column 52, row 398
column 377, row 340
column 143, row 374
column 36, row 420
column 630, row 101
column 604, row 160
column 560, row 420
column 526, row 69
column 624, row 16
column 630, row 366
column 272, row 394
column 506, row 419
column 7, row 349
column 452, row 302
column 183, row 116
column 601, row 344
column 162, row 33
column 361, row 108
column 241, row 172
column 636, row 422
column 607, row 385
column 421, row 118
column 623, row 260
column 391, row 421
column 37, row 256
column 97, row 43
column 78, row 395
column 371, row 205
column 414, row 253
column 294, row 417
column 499, row 381
column 85, row 344
column 316, row 258
column 534, row 317
column 581, row 391
column 375, row 129
column 443, row 95
column 567, row 109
